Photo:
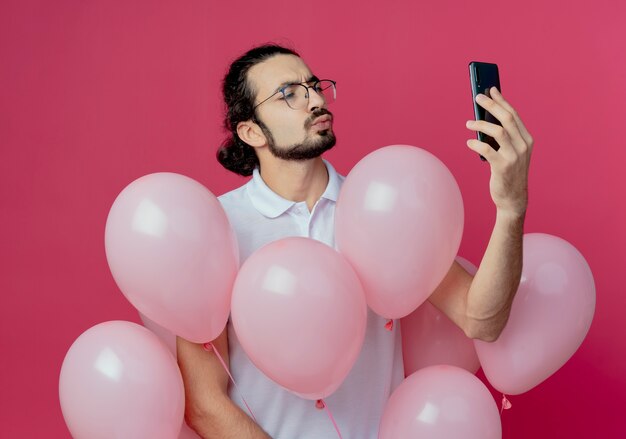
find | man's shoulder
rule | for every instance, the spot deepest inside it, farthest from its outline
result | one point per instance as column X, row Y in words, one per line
column 236, row 195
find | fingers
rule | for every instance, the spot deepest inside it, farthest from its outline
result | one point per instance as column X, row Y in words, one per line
column 509, row 124
column 499, row 99
column 495, row 131
column 484, row 149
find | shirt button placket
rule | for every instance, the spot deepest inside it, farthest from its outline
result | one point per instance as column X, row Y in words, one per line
column 306, row 221
column 300, row 214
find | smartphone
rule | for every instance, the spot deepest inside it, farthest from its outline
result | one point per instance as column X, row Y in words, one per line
column 483, row 76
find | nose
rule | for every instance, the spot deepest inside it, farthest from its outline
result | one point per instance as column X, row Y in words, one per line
column 316, row 100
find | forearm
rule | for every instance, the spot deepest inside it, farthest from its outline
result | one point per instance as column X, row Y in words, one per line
column 493, row 288
column 225, row 420
column 208, row 409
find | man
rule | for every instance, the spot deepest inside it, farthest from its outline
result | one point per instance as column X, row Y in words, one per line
column 279, row 126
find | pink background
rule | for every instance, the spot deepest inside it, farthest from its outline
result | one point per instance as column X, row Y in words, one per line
column 94, row 94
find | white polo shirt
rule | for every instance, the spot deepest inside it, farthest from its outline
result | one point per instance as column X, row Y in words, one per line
column 259, row 216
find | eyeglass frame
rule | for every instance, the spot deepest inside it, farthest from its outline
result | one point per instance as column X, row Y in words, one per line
column 282, row 89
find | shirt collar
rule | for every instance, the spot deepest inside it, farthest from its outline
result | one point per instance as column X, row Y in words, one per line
column 272, row 205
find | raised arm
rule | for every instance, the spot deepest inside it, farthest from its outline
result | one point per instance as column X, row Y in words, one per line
column 481, row 305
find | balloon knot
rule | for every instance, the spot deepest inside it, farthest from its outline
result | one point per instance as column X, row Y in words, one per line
column 208, row 347
column 506, row 404
column 389, row 325
column 319, row 404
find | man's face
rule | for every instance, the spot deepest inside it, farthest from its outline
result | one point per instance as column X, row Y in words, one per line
column 291, row 134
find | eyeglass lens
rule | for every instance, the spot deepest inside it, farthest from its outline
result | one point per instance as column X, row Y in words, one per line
column 296, row 95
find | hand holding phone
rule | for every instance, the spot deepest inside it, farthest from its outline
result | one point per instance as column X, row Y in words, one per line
column 483, row 76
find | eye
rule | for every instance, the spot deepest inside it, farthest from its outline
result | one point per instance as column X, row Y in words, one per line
column 290, row 92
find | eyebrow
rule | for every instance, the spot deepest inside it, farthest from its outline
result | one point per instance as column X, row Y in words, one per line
column 312, row 78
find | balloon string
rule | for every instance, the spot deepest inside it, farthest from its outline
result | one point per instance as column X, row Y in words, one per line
column 209, row 346
column 320, row 404
column 506, row 404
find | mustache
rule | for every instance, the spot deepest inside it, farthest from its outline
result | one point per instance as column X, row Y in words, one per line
column 314, row 115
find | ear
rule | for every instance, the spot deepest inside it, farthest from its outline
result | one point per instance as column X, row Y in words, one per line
column 251, row 133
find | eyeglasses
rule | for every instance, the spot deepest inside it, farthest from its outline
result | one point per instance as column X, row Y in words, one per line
column 297, row 95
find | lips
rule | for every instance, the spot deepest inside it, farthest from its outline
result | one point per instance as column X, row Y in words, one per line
column 322, row 122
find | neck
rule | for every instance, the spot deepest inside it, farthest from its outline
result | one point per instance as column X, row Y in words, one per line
column 296, row 181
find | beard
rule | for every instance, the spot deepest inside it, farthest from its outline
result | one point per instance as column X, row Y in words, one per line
column 309, row 148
